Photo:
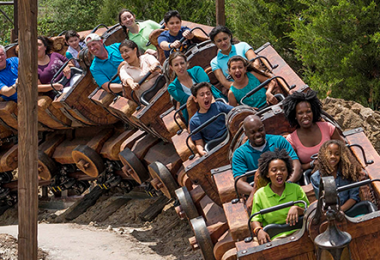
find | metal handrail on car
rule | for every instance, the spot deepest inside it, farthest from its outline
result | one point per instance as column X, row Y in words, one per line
column 266, row 82
column 200, row 128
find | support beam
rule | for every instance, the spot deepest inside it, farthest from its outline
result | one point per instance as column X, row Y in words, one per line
column 27, row 131
column 220, row 12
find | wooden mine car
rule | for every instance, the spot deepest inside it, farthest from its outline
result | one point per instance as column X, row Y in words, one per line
column 90, row 134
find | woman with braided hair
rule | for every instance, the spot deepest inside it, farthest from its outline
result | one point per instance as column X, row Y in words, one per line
column 335, row 159
column 303, row 110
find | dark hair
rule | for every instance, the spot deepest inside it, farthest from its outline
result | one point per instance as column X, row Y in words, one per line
column 349, row 167
column 170, row 14
column 269, row 156
column 122, row 26
column 130, row 44
column 194, row 89
column 218, row 29
column 291, row 102
column 71, row 33
column 47, row 43
column 246, row 63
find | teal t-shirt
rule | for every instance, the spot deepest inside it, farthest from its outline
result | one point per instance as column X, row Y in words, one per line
column 142, row 37
column 256, row 100
column 266, row 198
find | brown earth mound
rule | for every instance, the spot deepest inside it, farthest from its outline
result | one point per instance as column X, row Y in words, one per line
column 350, row 115
column 9, row 248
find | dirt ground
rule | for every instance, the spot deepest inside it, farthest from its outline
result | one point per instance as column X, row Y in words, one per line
column 123, row 235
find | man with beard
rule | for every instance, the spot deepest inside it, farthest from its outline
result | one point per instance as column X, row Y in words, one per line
column 246, row 157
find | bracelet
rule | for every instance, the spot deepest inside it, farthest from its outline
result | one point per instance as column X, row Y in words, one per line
column 256, row 230
column 169, row 46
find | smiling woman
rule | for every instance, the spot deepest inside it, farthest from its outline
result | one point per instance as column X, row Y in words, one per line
column 303, row 110
column 136, row 67
column 138, row 31
column 221, row 36
column 48, row 64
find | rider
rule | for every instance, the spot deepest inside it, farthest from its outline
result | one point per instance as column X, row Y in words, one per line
column 8, row 76
column 202, row 94
column 245, row 158
column 106, row 62
column 170, row 39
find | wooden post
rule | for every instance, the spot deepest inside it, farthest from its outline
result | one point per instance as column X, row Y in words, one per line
column 220, row 12
column 27, row 131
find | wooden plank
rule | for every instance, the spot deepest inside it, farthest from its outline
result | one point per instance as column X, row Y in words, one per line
column 199, row 170
column 278, row 250
column 224, row 244
column 111, row 208
column 220, row 12
column 373, row 170
column 111, row 148
column 9, row 160
column 28, row 131
column 224, row 182
column 49, row 145
column 62, row 153
column 87, row 201
column 179, row 142
column 211, row 211
column 96, row 143
column 142, row 146
column 152, row 211
column 283, row 68
column 170, row 124
column 237, row 219
column 130, row 141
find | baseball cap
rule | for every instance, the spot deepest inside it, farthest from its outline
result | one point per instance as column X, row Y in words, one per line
column 92, row 37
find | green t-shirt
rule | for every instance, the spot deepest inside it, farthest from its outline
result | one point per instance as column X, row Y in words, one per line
column 266, row 198
column 142, row 37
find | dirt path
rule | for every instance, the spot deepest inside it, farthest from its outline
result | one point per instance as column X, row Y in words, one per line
column 123, row 235
column 78, row 242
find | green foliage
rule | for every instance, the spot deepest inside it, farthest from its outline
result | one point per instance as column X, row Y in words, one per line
column 201, row 11
column 333, row 44
column 56, row 16
column 339, row 45
column 261, row 21
column 6, row 25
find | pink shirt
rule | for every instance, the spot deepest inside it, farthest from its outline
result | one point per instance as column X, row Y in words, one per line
column 128, row 71
column 303, row 152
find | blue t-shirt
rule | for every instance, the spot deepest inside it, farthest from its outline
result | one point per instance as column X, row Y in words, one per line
column 198, row 75
column 221, row 60
column 104, row 70
column 339, row 181
column 165, row 36
column 257, row 100
column 215, row 129
column 8, row 76
column 246, row 158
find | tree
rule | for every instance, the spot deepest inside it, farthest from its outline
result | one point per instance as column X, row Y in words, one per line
column 6, row 25
column 338, row 43
column 261, row 21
